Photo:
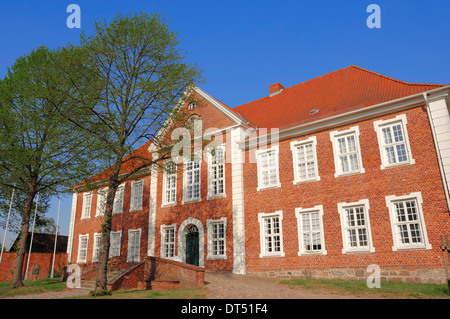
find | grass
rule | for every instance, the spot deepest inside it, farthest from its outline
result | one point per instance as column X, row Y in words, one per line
column 194, row 293
column 388, row 289
column 32, row 287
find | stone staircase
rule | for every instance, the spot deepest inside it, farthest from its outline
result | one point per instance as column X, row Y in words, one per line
column 89, row 284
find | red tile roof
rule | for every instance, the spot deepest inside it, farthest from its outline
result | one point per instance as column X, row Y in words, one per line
column 331, row 94
column 138, row 157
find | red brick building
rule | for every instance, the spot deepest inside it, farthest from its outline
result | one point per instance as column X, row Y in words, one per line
column 321, row 179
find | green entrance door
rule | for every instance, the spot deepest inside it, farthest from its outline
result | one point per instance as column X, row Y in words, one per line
column 192, row 250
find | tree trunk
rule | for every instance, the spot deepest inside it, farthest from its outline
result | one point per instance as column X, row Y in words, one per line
column 102, row 278
column 20, row 254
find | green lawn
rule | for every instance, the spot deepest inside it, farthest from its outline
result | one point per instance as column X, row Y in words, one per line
column 387, row 289
column 32, row 287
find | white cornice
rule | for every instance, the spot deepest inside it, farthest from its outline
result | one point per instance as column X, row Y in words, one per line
column 231, row 115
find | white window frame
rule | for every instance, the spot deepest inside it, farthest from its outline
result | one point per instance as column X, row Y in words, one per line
column 296, row 144
column 211, row 178
column 101, row 201
column 80, row 237
column 137, row 195
column 185, row 180
column 96, row 248
column 261, row 219
column 118, row 200
column 166, row 184
column 112, row 248
column 299, row 212
column 334, row 136
column 259, row 153
column 164, row 244
column 87, row 205
column 130, row 258
column 210, row 226
column 342, row 209
column 397, row 244
column 378, row 126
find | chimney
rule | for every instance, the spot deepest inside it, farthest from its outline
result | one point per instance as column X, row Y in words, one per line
column 274, row 89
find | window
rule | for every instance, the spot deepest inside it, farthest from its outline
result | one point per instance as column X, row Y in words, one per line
column 192, row 106
column 407, row 222
column 216, row 172
column 310, row 230
column 271, row 239
column 355, row 226
column 168, row 241
column 82, row 248
column 118, row 200
column 393, row 142
column 137, row 189
column 170, row 184
column 268, row 168
column 101, row 202
column 87, row 201
column 347, row 153
column 134, row 245
column 115, row 241
column 216, row 238
column 95, row 253
column 304, row 158
column 192, row 181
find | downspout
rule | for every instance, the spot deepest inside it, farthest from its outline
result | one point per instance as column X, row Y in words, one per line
column 438, row 153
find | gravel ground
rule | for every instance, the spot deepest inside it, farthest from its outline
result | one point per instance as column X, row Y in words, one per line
column 229, row 286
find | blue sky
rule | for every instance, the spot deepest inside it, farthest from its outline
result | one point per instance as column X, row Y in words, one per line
column 244, row 46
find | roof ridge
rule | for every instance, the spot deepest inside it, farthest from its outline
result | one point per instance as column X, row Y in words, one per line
column 393, row 79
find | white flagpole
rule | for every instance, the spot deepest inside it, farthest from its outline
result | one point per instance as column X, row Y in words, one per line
column 7, row 222
column 56, row 237
column 32, row 234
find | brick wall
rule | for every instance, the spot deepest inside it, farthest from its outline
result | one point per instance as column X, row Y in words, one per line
column 41, row 261
column 374, row 184
column 206, row 209
column 123, row 221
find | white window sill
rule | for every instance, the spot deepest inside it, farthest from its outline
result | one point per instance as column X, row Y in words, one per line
column 216, row 257
column 313, row 253
column 169, row 204
column 358, row 251
column 268, row 187
column 411, row 162
column 350, row 173
column 278, row 254
column 210, row 197
column 417, row 247
column 196, row 200
column 315, row 179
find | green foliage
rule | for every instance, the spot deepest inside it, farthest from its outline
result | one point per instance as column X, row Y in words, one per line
column 104, row 292
column 40, row 150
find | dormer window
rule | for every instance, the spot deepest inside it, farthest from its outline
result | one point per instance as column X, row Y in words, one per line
column 192, row 105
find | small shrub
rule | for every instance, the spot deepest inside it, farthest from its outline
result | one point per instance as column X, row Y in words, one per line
column 105, row 292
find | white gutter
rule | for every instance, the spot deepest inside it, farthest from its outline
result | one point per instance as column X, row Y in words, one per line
column 438, row 153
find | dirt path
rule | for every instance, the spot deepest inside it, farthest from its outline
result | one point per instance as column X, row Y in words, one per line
column 230, row 286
